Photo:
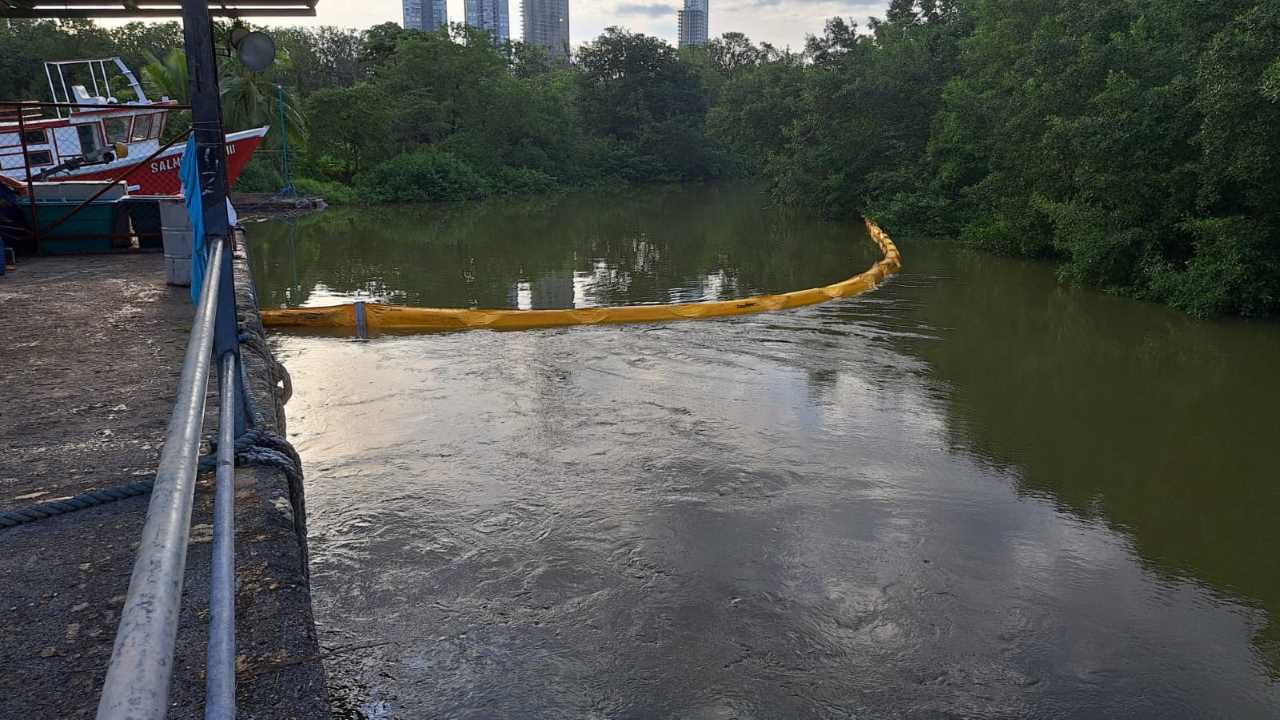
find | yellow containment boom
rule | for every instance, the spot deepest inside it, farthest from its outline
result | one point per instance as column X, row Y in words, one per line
column 398, row 318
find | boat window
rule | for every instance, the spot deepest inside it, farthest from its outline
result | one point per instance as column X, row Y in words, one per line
column 35, row 137
column 88, row 135
column 40, row 157
column 141, row 128
column 117, row 129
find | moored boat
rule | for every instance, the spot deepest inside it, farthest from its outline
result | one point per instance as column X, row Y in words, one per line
column 100, row 136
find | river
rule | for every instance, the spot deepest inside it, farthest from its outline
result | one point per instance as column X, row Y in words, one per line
column 971, row 493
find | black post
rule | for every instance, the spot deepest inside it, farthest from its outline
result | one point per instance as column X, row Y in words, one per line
column 31, row 186
column 211, row 157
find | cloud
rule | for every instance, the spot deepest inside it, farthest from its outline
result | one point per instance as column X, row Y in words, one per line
column 646, row 9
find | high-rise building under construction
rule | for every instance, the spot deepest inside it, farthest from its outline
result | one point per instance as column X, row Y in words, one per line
column 491, row 15
column 425, row 14
column 692, row 21
column 546, row 23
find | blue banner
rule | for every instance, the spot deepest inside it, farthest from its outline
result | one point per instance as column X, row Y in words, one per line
column 190, row 172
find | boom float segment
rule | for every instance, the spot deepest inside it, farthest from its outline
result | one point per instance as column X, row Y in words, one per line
column 398, row 318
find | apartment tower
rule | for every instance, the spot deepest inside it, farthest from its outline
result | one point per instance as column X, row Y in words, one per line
column 425, row 14
column 692, row 22
column 546, row 23
column 491, row 15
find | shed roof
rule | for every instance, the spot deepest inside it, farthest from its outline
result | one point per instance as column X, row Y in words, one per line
column 138, row 9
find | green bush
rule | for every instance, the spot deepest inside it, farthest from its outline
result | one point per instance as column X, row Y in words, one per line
column 260, row 175
column 521, row 181
column 332, row 193
column 423, row 176
column 1235, row 270
column 325, row 167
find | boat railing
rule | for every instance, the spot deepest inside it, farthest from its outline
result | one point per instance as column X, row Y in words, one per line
column 64, row 91
column 69, row 173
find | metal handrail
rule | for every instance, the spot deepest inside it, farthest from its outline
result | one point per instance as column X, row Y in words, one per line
column 220, row 680
column 137, row 683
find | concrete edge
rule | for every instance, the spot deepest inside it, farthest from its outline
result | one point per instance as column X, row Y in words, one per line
column 280, row 672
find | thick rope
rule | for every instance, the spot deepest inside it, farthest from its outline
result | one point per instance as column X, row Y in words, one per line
column 257, row 343
column 260, row 447
column 93, row 498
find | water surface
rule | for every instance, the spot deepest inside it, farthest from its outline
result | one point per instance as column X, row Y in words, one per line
column 677, row 245
column 972, row 493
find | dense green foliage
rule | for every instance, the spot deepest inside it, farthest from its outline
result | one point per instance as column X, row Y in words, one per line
column 629, row 111
column 1132, row 142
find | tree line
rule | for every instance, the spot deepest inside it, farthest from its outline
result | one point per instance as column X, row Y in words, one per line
column 1132, row 142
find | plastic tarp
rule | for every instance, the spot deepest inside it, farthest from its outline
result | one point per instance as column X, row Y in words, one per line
column 397, row 318
column 190, row 173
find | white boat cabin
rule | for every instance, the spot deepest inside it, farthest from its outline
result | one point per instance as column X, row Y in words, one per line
column 86, row 130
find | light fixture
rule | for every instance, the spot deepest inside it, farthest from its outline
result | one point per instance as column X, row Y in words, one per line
column 254, row 48
column 237, row 34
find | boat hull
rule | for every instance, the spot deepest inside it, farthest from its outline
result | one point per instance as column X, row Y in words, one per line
column 161, row 175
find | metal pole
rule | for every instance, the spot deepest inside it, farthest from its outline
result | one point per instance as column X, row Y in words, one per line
column 211, row 159
column 52, row 92
column 137, row 684
column 284, row 142
column 31, row 188
column 102, row 65
column 362, row 321
column 220, row 681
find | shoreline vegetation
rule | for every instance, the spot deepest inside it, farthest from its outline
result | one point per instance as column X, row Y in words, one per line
column 1131, row 142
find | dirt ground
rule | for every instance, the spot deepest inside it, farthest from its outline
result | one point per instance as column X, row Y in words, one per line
column 90, row 348
column 90, row 352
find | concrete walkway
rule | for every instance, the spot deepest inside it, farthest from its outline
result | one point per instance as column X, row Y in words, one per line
column 90, row 350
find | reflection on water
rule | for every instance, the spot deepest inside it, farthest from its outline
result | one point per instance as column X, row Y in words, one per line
column 581, row 251
column 969, row 494
column 1126, row 413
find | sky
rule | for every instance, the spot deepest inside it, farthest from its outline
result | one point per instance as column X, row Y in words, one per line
column 781, row 22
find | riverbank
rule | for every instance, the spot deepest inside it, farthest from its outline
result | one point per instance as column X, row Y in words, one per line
column 89, row 366
column 259, row 206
